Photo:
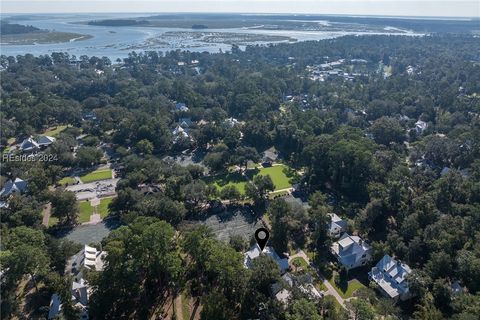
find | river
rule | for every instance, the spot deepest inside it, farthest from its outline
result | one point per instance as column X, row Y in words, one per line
column 117, row 42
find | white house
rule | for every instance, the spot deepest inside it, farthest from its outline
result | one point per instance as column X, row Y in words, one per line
column 255, row 252
column 420, row 126
column 410, row 70
column 231, row 122
column 11, row 187
column 55, row 307
column 390, row 275
column 29, row 145
column 351, row 251
column 180, row 106
column 179, row 133
column 337, row 225
column 89, row 258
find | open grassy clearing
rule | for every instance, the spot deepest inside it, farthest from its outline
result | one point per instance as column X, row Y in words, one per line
column 103, row 207
column 229, row 179
column 55, row 131
column 52, row 221
column 86, row 211
column 279, row 178
column 353, row 285
column 236, row 179
column 300, row 262
column 97, row 175
column 67, row 181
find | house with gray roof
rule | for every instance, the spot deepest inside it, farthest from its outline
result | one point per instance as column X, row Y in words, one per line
column 390, row 276
column 29, row 145
column 337, row 225
column 351, row 251
column 55, row 306
column 17, row 186
column 45, row 141
column 185, row 123
column 80, row 293
column 269, row 157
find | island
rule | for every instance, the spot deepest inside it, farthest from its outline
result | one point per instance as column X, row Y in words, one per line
column 17, row 34
column 118, row 23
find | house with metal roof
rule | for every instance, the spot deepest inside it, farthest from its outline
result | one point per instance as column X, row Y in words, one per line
column 55, row 306
column 12, row 187
column 89, row 258
column 351, row 251
column 180, row 106
column 255, row 252
column 337, row 225
column 390, row 276
column 29, row 145
column 44, row 141
column 80, row 294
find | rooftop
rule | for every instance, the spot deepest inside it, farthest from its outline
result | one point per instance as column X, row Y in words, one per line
column 390, row 275
column 255, row 251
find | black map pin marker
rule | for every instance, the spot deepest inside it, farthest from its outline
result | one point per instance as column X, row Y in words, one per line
column 261, row 235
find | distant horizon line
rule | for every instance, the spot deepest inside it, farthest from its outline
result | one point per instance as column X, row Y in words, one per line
column 414, row 17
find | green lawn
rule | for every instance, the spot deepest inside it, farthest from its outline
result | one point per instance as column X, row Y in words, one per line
column 66, row 180
column 55, row 132
column 52, row 221
column 279, row 178
column 97, row 175
column 353, row 285
column 320, row 286
column 299, row 261
column 229, row 179
column 103, row 207
column 86, row 211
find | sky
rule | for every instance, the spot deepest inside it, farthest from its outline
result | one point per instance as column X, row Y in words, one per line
column 438, row 8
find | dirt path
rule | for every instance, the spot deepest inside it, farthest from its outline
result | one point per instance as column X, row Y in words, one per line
column 46, row 214
column 178, row 308
column 282, row 190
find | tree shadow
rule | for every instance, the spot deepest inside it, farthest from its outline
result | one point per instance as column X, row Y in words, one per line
column 36, row 301
column 252, row 172
column 112, row 223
